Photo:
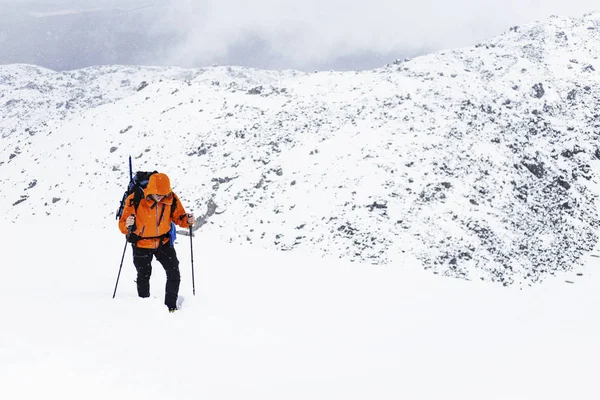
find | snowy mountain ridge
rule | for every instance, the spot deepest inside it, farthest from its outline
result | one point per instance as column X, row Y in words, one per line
column 480, row 162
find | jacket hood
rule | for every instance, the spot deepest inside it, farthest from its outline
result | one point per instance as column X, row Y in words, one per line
column 158, row 184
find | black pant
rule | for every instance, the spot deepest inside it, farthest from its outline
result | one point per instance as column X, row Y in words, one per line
column 165, row 254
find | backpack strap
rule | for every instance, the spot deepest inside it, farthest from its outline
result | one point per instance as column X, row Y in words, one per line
column 162, row 212
column 138, row 194
column 133, row 238
column 173, row 205
column 137, row 197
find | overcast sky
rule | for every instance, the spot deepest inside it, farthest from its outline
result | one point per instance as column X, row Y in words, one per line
column 275, row 34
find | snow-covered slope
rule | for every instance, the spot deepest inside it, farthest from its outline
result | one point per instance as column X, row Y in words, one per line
column 267, row 325
column 480, row 162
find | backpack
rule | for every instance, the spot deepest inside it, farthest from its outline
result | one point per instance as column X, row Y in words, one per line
column 137, row 184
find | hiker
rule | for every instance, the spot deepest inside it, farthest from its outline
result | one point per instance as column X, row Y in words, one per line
column 148, row 227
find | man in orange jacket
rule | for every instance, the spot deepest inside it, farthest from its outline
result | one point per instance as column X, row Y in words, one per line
column 148, row 229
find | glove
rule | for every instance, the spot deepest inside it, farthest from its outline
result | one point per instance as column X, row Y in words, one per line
column 130, row 221
column 190, row 219
column 133, row 238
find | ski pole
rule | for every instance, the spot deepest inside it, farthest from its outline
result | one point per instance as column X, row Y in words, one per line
column 192, row 253
column 122, row 258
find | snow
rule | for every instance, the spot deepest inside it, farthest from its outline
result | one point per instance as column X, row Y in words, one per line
column 349, row 204
column 273, row 325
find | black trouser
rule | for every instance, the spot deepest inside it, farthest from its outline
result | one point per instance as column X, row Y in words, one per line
column 165, row 254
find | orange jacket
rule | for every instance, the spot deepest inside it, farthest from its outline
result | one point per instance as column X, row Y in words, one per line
column 148, row 220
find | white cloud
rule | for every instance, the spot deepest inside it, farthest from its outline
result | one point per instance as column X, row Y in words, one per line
column 311, row 31
column 279, row 34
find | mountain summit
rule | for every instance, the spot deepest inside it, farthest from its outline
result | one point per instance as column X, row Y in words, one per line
column 480, row 162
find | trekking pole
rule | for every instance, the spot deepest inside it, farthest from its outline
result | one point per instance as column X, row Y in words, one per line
column 130, row 170
column 192, row 252
column 122, row 258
